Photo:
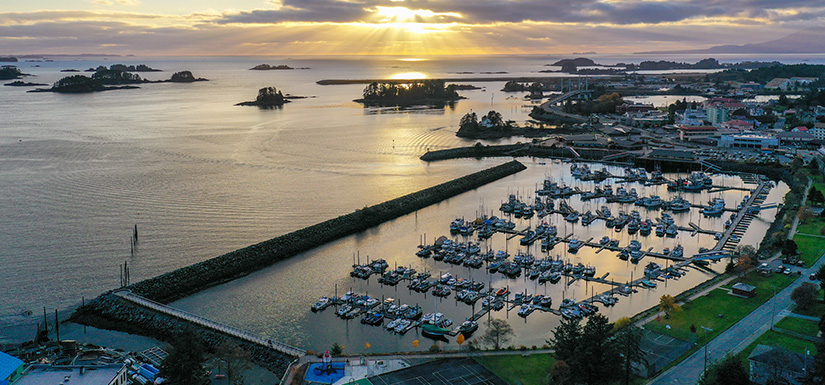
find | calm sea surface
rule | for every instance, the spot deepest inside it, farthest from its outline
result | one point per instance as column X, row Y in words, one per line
column 201, row 177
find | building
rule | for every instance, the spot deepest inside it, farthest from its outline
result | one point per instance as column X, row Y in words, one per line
column 768, row 363
column 649, row 119
column 691, row 117
column 739, row 124
column 634, row 107
column 818, row 131
column 718, row 114
column 10, row 368
column 777, row 84
column 797, row 139
column 112, row 374
column 754, row 141
column 688, row 133
column 744, row 290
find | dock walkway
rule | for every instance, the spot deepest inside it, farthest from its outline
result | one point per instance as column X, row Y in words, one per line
column 209, row 324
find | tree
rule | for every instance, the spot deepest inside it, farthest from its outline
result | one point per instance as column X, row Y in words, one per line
column 235, row 360
column 804, row 295
column 668, row 305
column 600, row 361
column 559, row 373
column 789, row 247
column 820, row 276
column 727, row 371
column 629, row 342
column 184, row 364
column 498, row 333
column 269, row 96
column 565, row 341
column 621, row 323
column 336, row 349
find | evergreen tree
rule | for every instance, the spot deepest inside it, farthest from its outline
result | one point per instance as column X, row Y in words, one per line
column 600, row 363
column 728, row 371
column 629, row 343
column 184, row 364
column 565, row 341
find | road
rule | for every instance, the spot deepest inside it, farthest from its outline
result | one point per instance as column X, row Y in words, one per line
column 739, row 336
column 550, row 106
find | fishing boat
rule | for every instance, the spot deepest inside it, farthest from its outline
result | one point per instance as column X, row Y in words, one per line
column 468, row 327
column 322, row 304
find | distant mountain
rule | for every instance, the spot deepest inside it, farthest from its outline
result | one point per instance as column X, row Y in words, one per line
column 807, row 41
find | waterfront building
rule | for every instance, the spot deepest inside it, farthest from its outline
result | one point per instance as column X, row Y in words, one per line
column 112, row 374
column 754, row 141
column 10, row 368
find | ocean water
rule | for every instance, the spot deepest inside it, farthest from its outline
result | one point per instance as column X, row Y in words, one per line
column 201, row 177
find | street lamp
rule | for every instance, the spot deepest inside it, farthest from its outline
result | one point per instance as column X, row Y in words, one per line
column 706, row 346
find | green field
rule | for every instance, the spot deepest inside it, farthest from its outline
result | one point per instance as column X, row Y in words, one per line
column 705, row 310
column 810, row 248
column 774, row 338
column 517, row 369
column 799, row 325
column 811, row 226
column 816, row 310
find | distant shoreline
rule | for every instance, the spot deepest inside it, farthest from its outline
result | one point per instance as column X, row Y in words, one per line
column 332, row 82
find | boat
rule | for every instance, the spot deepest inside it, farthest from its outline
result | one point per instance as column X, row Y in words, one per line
column 645, row 227
column 468, row 327
column 648, row 284
column 455, row 226
column 678, row 251
column 555, row 277
column 604, row 241
column 546, row 301
column 671, row 230
column 413, row 312
column 574, row 245
column 605, row 211
column 434, row 330
column 589, row 271
column 635, row 245
column 502, row 292
column 573, row 217
column 322, row 304
column 402, row 325
column 588, row 218
column 636, row 256
column 393, row 324
column 525, row 310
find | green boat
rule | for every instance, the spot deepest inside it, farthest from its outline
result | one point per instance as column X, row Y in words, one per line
column 434, row 330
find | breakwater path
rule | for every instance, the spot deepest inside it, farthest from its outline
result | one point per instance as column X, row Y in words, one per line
column 209, row 324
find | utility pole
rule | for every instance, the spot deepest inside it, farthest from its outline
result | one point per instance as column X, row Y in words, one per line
column 706, row 329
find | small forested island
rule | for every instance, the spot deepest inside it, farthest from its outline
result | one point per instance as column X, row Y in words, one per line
column 268, row 97
column 464, row 87
column 493, row 126
column 10, row 72
column 123, row 67
column 20, row 83
column 80, row 84
column 10, row 59
column 267, row 67
column 109, row 79
column 185, row 77
column 431, row 92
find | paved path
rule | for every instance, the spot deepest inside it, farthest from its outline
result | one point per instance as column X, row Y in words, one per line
column 209, row 324
column 795, row 222
column 740, row 335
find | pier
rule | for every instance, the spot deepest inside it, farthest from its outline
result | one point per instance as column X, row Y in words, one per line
column 212, row 325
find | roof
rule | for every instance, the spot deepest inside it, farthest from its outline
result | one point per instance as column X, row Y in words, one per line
column 46, row 374
column 744, row 287
column 8, row 365
column 698, row 128
column 780, row 357
column 800, row 129
column 663, row 153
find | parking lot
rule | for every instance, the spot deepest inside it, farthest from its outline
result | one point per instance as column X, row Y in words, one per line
column 463, row 371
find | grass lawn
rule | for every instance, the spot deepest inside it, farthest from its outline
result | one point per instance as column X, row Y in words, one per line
column 774, row 338
column 815, row 310
column 811, row 248
column 530, row 370
column 799, row 325
column 811, row 226
column 705, row 310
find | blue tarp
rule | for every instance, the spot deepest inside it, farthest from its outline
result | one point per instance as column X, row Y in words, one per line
column 8, row 365
column 315, row 374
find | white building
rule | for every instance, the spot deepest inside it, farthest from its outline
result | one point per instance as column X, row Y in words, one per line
column 754, row 141
column 690, row 117
column 818, row 131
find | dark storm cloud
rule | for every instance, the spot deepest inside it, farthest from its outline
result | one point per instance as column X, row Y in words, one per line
column 489, row 11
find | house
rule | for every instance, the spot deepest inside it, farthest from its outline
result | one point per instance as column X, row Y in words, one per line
column 744, row 290
column 738, row 124
column 111, row 374
column 777, row 84
column 10, row 368
column 769, row 363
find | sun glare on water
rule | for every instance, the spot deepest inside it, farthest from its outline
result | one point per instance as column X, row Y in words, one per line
column 409, row 76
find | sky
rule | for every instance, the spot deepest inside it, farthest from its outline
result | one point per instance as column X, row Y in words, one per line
column 393, row 27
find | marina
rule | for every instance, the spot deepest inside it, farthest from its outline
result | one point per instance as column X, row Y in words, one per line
column 464, row 247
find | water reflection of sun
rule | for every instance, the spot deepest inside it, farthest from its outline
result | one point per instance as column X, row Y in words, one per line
column 409, row 76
